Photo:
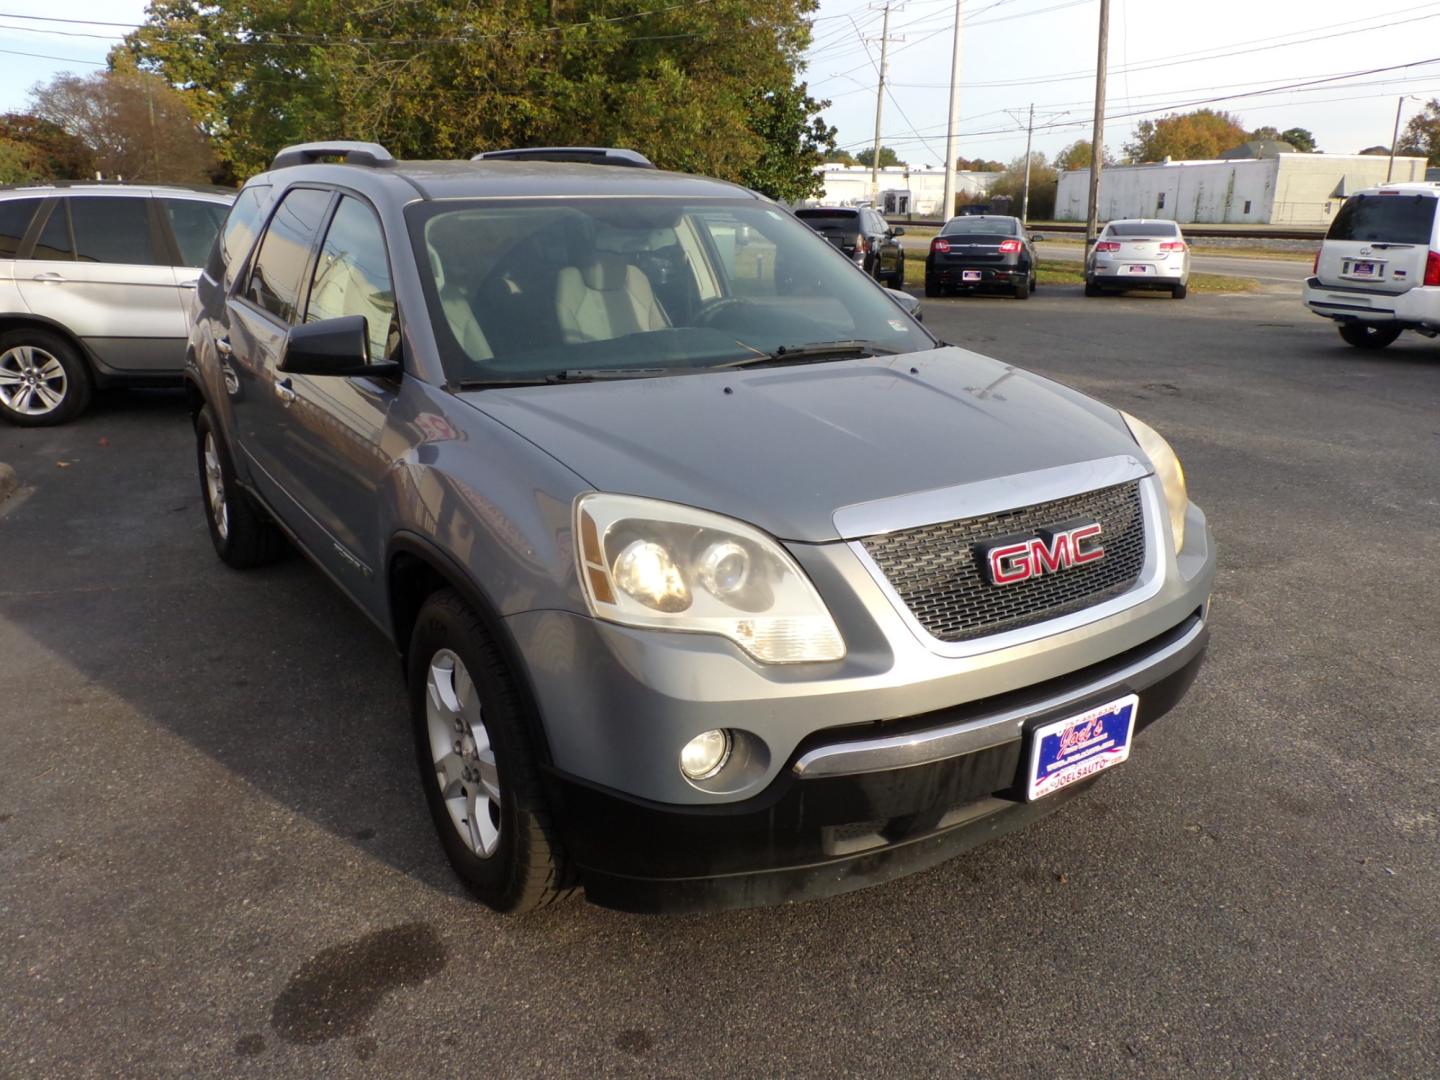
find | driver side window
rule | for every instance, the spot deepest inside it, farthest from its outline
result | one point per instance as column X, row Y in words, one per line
column 352, row 277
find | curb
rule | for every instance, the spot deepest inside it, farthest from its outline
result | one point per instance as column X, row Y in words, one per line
column 9, row 482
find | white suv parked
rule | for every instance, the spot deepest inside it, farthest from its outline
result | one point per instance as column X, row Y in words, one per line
column 1378, row 272
column 95, row 289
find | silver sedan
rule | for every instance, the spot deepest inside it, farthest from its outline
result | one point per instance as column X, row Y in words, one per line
column 1139, row 254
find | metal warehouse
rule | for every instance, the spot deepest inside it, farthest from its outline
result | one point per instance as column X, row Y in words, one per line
column 902, row 189
column 1278, row 189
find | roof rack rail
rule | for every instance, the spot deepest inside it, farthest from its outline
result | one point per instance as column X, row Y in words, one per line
column 369, row 154
column 584, row 155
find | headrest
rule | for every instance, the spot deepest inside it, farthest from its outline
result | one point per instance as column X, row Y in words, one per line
column 605, row 274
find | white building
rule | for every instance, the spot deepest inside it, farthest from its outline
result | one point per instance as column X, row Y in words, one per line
column 849, row 185
column 1286, row 189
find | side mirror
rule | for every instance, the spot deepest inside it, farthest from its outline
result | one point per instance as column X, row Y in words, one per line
column 339, row 347
column 898, row 230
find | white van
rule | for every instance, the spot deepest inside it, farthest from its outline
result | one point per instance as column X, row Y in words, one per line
column 1378, row 272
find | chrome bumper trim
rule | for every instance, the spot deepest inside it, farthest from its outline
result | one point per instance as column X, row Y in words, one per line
column 953, row 740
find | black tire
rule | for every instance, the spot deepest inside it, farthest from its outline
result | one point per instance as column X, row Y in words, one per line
column 1368, row 335
column 1091, row 289
column 32, row 351
column 933, row 288
column 897, row 279
column 1022, row 289
column 1179, row 292
column 527, row 868
column 247, row 536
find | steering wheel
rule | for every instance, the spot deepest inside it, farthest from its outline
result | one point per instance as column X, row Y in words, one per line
column 706, row 313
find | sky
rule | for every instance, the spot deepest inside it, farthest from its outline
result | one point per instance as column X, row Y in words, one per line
column 1015, row 53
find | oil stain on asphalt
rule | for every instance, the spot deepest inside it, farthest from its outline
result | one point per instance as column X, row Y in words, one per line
column 337, row 990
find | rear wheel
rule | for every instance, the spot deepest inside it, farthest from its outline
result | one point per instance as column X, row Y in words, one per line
column 43, row 379
column 481, row 780
column 1179, row 292
column 933, row 288
column 1091, row 289
column 243, row 536
column 1022, row 289
column 1368, row 335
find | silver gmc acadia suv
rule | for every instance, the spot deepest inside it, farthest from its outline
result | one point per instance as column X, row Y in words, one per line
column 717, row 580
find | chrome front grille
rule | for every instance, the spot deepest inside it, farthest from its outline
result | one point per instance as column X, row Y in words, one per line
column 937, row 569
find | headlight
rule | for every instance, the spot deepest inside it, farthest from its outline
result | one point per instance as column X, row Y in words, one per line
column 656, row 564
column 1167, row 468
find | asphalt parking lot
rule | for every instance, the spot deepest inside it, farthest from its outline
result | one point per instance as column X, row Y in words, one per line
column 215, row 858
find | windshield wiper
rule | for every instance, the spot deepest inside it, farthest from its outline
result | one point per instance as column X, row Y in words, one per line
column 813, row 350
column 575, row 375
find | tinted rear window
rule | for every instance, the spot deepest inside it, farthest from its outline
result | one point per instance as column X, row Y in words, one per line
column 54, row 240
column 834, row 218
column 981, row 226
column 1397, row 219
column 194, row 223
column 15, row 215
column 114, row 230
column 1142, row 228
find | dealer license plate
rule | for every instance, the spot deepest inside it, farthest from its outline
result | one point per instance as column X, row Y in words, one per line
column 970, row 275
column 1067, row 751
column 1139, row 269
column 1363, row 269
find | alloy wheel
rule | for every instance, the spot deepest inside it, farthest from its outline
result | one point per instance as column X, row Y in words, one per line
column 215, row 488
column 32, row 382
column 460, row 748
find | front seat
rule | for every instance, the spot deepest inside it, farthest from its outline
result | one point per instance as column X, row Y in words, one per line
column 459, row 314
column 605, row 299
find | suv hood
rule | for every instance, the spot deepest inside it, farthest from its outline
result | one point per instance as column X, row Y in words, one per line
column 784, row 448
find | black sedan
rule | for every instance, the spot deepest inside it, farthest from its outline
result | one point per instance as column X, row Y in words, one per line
column 981, row 252
column 863, row 235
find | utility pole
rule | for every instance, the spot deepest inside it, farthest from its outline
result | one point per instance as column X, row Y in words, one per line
column 1025, row 199
column 1097, row 139
column 947, row 208
column 1395, row 139
column 879, row 103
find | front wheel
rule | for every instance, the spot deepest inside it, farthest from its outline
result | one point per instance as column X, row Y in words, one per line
column 477, row 765
column 43, row 379
column 1368, row 335
column 897, row 279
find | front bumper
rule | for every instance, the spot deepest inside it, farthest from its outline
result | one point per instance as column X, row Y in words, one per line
column 870, row 808
column 1417, row 307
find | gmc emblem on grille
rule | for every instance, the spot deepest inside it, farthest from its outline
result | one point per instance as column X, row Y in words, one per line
column 1012, row 561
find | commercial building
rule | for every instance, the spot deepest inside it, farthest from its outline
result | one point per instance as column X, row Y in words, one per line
column 1278, row 189
column 903, row 190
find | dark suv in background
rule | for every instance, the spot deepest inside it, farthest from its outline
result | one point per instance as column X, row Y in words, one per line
column 865, row 236
column 95, row 288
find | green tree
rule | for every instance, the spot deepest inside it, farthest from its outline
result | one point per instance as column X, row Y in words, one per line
column 1078, row 155
column 1204, row 133
column 40, row 150
column 697, row 87
column 1044, row 180
column 1421, row 136
column 132, row 124
column 793, row 142
column 840, row 157
column 888, row 157
column 16, row 166
column 978, row 165
column 1300, row 138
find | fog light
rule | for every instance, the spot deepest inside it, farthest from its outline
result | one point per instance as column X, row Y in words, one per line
column 705, row 755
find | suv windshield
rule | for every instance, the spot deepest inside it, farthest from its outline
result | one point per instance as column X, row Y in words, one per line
column 1398, row 219
column 981, row 226
column 525, row 290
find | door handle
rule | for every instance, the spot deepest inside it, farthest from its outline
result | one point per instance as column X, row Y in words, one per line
column 49, row 275
column 285, row 391
column 222, row 346
column 192, row 283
